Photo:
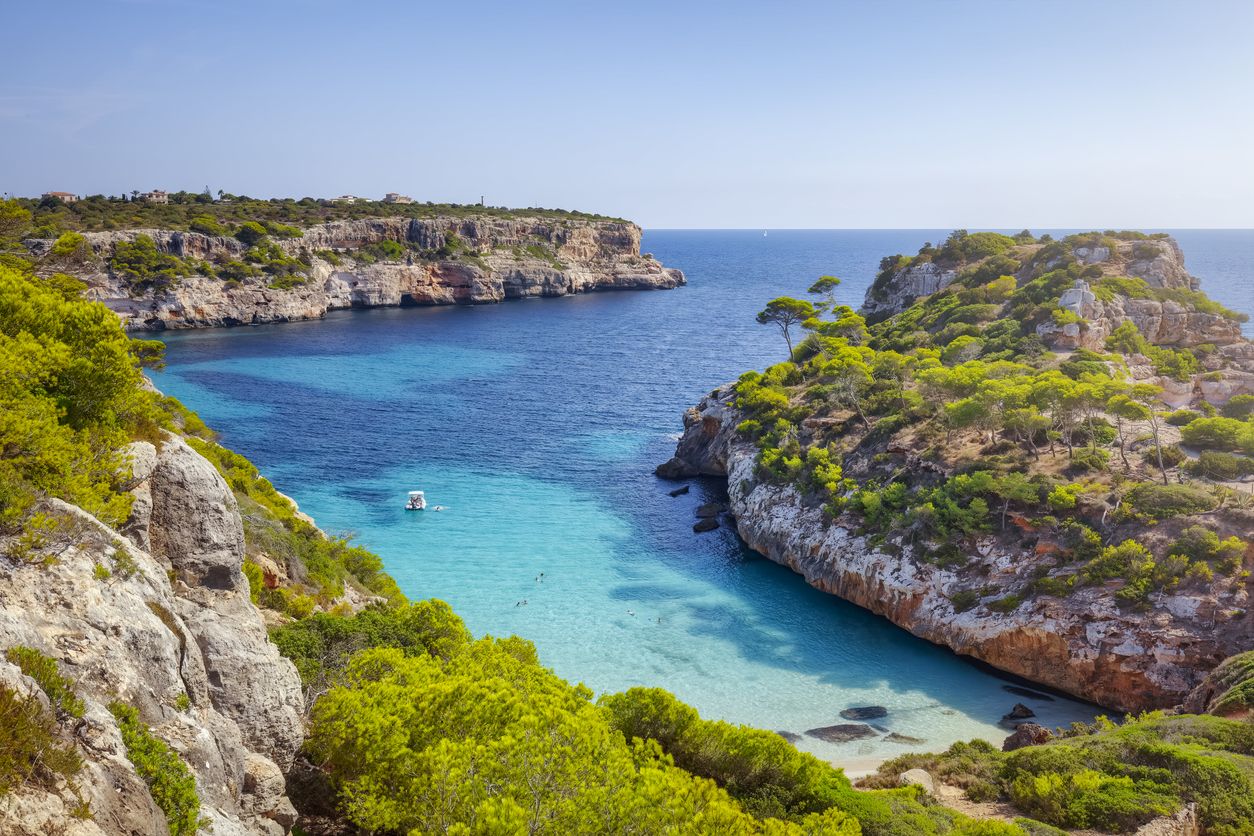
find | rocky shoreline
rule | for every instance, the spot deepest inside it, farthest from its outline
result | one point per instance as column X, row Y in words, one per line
column 1084, row 644
column 498, row 259
column 157, row 615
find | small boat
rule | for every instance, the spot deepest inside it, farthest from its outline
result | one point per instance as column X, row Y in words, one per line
column 764, row 233
column 417, row 501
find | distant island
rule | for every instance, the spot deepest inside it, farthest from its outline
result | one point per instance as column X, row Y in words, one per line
column 185, row 260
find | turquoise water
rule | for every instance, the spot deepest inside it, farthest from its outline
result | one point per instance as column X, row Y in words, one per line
column 538, row 423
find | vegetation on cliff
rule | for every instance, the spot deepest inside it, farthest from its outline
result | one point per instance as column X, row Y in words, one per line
column 953, row 419
column 1111, row 778
column 224, row 213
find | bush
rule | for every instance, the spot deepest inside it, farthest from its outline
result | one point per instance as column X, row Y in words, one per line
column 30, row 748
column 490, row 740
column 1156, row 764
column 1006, row 604
column 1240, row 407
column 1163, row 501
column 250, row 233
column 1182, row 417
column 1213, row 464
column 44, row 670
column 1220, row 434
column 71, row 399
column 145, row 267
column 1090, row 460
column 1172, row 456
column 964, row 599
column 1088, row 798
column 321, row 645
column 169, row 780
column 208, row 225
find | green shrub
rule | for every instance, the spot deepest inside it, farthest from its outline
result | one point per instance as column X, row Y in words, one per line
column 145, row 267
column 256, row 580
column 1006, row 604
column 1240, row 407
column 321, row 645
column 208, row 225
column 964, row 599
column 1172, row 456
column 250, row 233
column 46, row 673
column 1163, row 501
column 1220, row 434
column 1201, row 544
column 1088, row 798
column 31, row 750
column 1157, row 763
column 1090, row 460
column 1220, row 466
column 69, row 402
column 169, row 780
column 1182, row 417
column 1234, row 681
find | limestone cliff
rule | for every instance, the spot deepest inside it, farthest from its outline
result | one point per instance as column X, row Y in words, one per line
column 158, row 617
column 1173, row 320
column 494, row 259
column 1083, row 644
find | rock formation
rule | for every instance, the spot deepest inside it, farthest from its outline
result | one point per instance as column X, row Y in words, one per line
column 1083, row 644
column 499, row 258
column 158, row 616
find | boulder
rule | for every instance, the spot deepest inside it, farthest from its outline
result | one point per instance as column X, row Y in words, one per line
column 866, row 712
column 917, row 778
column 842, row 732
column 791, row 737
column 1019, row 712
column 897, row 737
column 709, row 509
column 705, row 524
column 1026, row 734
column 679, row 491
column 675, row 468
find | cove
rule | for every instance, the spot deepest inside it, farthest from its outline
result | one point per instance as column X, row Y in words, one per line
column 538, row 423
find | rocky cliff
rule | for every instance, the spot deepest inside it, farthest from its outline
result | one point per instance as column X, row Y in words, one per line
column 157, row 616
column 444, row 261
column 1084, row 644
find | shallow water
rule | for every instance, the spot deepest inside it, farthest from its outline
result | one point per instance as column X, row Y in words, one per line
column 538, row 423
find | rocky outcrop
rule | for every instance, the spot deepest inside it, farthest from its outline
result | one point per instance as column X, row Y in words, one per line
column 497, row 259
column 898, row 292
column 1158, row 261
column 158, row 616
column 1161, row 322
column 1083, row 644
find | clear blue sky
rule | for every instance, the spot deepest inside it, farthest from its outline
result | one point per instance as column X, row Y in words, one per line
column 838, row 114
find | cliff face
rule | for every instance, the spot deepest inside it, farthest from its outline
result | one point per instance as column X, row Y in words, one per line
column 1159, row 262
column 158, row 617
column 501, row 259
column 1083, row 644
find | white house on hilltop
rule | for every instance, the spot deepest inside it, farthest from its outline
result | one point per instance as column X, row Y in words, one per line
column 64, row 197
column 155, row 196
column 393, row 197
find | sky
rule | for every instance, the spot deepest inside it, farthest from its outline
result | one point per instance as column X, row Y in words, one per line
column 944, row 113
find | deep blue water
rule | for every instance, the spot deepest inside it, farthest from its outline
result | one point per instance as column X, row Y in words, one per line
column 538, row 424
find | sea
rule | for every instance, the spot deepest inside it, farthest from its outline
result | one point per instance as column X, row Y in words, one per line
column 536, row 424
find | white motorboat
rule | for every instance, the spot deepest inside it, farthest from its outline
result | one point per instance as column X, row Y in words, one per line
column 417, row 501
